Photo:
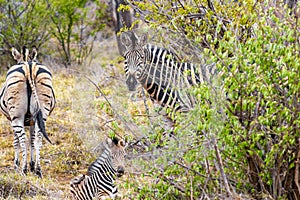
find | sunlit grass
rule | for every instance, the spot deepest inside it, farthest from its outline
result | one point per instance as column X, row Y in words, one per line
column 60, row 162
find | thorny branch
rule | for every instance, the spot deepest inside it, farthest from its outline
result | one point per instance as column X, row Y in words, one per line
column 106, row 99
column 170, row 181
column 220, row 162
column 147, row 108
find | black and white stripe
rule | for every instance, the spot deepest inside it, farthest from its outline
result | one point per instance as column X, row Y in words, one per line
column 100, row 180
column 27, row 99
column 162, row 75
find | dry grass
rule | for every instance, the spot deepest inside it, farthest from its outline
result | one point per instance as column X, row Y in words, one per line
column 68, row 155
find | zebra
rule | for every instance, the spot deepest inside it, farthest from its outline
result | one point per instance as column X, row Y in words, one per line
column 161, row 74
column 27, row 99
column 100, row 178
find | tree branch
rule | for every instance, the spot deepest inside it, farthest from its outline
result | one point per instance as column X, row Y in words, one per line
column 220, row 162
column 297, row 162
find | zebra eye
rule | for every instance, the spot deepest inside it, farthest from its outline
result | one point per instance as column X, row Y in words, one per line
column 137, row 74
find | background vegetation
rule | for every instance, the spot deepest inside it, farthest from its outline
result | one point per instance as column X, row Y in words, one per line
column 240, row 142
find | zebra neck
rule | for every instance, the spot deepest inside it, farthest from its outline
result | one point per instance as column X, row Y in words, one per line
column 103, row 162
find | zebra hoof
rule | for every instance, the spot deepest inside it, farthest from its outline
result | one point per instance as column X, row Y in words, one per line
column 38, row 172
column 32, row 163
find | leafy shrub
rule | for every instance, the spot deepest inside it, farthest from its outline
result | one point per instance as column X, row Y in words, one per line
column 243, row 137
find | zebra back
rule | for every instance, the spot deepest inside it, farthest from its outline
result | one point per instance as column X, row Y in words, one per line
column 100, row 178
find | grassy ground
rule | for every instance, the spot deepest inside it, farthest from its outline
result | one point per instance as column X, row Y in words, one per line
column 83, row 117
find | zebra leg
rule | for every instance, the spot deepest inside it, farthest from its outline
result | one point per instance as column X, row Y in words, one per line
column 38, row 145
column 17, row 151
column 20, row 141
column 32, row 137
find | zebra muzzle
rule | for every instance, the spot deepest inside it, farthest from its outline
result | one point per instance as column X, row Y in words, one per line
column 131, row 82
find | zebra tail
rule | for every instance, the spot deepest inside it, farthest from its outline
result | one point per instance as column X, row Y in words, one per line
column 41, row 124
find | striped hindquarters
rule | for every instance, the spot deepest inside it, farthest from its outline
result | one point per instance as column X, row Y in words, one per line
column 28, row 88
column 15, row 93
column 82, row 188
column 44, row 89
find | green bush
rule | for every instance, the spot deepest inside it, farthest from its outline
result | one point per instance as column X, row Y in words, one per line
column 242, row 139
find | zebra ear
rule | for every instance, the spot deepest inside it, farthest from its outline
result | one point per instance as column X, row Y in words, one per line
column 122, row 143
column 17, row 56
column 33, row 54
column 125, row 40
column 144, row 39
column 109, row 142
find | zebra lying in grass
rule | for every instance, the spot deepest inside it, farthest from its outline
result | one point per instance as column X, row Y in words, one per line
column 100, row 179
column 26, row 99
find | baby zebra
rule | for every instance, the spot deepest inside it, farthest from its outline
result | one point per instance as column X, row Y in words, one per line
column 27, row 99
column 101, row 174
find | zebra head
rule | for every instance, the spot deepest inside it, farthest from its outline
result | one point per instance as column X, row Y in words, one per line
column 135, row 57
column 25, row 56
column 117, row 147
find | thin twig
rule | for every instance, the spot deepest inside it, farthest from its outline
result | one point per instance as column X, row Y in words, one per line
column 147, row 108
column 106, row 99
column 181, row 4
column 189, row 169
column 166, row 179
column 220, row 162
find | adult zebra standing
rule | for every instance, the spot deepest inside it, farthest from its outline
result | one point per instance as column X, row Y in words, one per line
column 101, row 174
column 26, row 99
column 162, row 75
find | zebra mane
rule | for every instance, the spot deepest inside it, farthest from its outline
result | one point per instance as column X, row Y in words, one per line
column 25, row 54
column 169, row 53
column 134, row 40
column 102, row 159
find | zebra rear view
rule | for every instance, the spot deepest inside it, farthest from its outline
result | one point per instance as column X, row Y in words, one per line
column 27, row 99
column 100, row 179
